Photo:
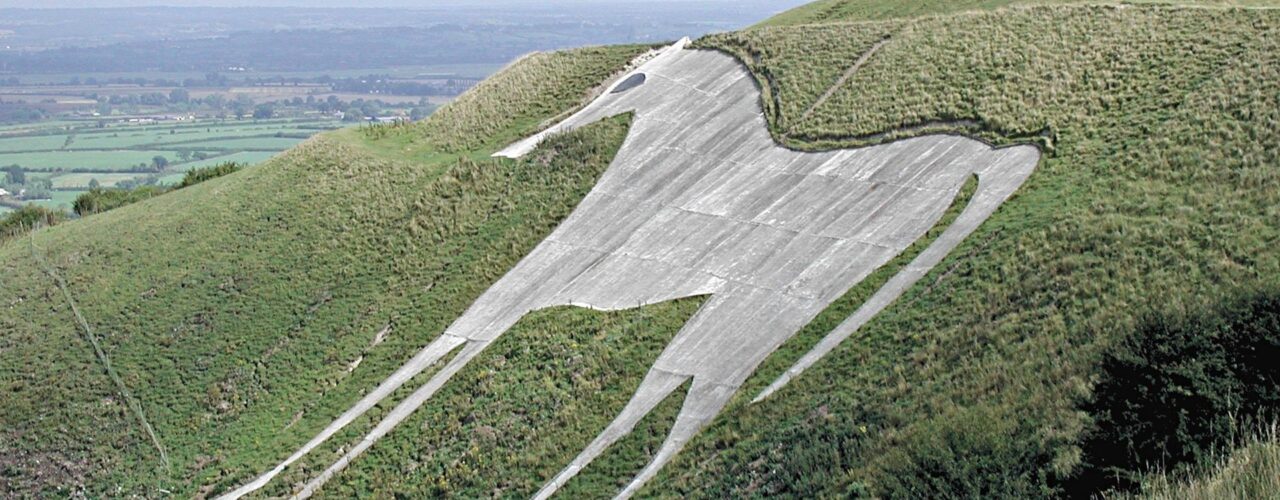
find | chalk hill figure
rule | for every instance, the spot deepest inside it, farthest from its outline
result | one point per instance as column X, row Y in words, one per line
column 701, row 201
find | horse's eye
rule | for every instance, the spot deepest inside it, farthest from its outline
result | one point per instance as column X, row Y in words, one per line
column 631, row 82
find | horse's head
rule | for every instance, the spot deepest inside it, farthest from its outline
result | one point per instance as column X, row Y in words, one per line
column 643, row 88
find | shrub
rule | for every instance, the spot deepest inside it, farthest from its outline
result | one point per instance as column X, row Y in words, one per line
column 198, row 175
column 1176, row 391
column 973, row 452
column 26, row 218
column 98, row 200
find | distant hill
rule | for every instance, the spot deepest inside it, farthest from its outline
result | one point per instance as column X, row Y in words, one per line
column 1119, row 311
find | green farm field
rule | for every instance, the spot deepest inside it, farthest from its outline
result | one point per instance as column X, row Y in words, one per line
column 36, row 143
column 244, row 143
column 70, row 154
column 181, row 138
column 249, row 157
column 84, row 161
column 59, row 200
column 81, row 181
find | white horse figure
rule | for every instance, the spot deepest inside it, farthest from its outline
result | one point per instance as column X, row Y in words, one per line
column 700, row 201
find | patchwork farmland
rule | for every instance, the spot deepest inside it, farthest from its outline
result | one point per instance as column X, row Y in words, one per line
column 77, row 155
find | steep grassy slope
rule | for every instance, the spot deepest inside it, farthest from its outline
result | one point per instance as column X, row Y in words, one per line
column 245, row 312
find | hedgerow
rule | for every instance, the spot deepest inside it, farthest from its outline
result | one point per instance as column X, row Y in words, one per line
column 198, row 175
column 98, row 200
column 28, row 218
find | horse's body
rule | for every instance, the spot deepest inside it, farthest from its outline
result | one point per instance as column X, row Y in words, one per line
column 701, row 201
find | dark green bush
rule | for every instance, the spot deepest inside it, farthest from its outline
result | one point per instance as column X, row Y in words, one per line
column 24, row 219
column 1177, row 390
column 198, row 175
column 98, row 200
column 974, row 452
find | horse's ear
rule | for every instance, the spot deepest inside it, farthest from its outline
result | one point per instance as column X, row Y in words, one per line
column 631, row 82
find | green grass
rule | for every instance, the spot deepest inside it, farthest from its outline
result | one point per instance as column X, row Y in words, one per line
column 104, row 152
column 242, row 143
column 234, row 308
column 541, row 392
column 249, row 157
column 539, row 86
column 46, row 124
column 274, row 311
column 66, row 181
column 36, row 143
column 60, row 200
column 187, row 139
column 171, row 179
column 1160, row 176
column 1251, row 471
column 84, row 160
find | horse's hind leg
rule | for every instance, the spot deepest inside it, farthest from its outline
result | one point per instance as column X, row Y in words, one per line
column 1000, row 177
column 397, row 415
column 657, row 385
column 703, row 403
column 427, row 357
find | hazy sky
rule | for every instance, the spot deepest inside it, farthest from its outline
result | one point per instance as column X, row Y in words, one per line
column 318, row 3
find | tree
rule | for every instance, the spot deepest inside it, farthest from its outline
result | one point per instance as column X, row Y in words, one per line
column 184, row 155
column 241, row 105
column 93, row 183
column 38, row 189
column 26, row 218
column 215, row 101
column 179, row 96
column 15, row 175
column 159, row 162
column 263, row 112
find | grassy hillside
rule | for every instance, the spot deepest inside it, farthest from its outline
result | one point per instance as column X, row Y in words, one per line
column 245, row 312
column 1158, row 193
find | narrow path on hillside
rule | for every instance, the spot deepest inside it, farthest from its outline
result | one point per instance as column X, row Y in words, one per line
column 853, row 70
column 133, row 403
